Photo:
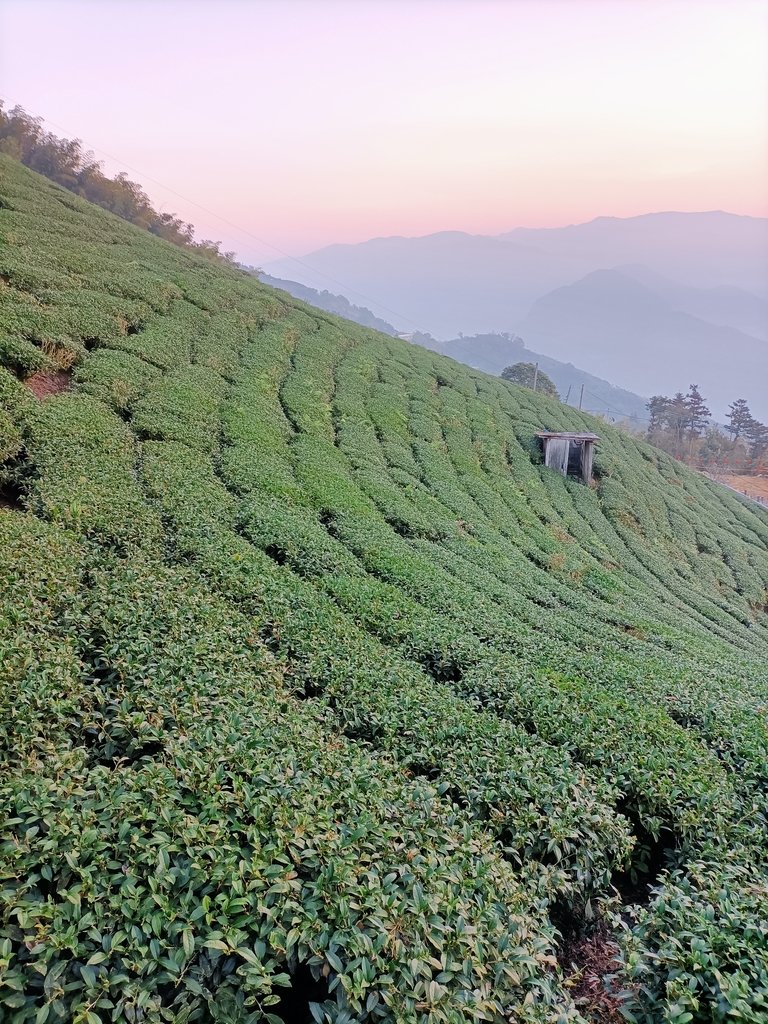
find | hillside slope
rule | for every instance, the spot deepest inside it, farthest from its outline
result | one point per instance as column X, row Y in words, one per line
column 331, row 303
column 321, row 698
column 493, row 352
column 490, row 353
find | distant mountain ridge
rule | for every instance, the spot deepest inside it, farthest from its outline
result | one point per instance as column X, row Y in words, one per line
column 446, row 283
column 330, row 302
column 493, row 352
column 590, row 316
column 702, row 293
column 705, row 249
column 726, row 305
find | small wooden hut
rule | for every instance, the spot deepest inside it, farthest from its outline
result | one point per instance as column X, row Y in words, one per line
column 569, row 454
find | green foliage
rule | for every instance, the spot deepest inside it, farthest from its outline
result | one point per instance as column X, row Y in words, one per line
column 314, row 681
column 717, row 972
column 117, row 378
column 529, row 375
column 10, row 437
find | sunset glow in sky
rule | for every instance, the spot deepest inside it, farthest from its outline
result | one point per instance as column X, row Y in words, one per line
column 307, row 122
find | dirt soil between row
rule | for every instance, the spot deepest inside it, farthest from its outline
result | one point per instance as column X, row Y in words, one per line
column 586, row 962
column 46, row 383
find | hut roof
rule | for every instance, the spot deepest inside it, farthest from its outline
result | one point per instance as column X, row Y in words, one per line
column 566, row 436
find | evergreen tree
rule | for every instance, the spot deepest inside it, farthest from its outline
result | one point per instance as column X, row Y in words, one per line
column 658, row 409
column 678, row 417
column 739, row 418
column 698, row 413
column 681, row 426
column 757, row 435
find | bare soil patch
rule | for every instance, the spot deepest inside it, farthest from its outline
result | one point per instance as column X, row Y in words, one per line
column 586, row 962
column 45, row 383
column 753, row 486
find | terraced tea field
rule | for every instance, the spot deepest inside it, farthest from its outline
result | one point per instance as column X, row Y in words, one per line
column 322, row 699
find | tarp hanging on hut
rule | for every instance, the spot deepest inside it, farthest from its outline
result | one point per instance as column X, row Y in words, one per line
column 557, row 452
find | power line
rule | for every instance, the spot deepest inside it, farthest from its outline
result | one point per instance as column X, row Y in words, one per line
column 610, row 407
column 229, row 223
column 602, row 401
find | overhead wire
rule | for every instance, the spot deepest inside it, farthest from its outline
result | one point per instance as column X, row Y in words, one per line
column 610, row 408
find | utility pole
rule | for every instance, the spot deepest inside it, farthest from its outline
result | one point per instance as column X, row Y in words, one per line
column 569, row 393
column 581, row 396
column 535, row 376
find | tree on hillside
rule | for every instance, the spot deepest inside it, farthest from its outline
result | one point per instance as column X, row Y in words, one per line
column 658, row 414
column 698, row 413
column 716, row 450
column 676, row 424
column 68, row 164
column 757, row 435
column 739, row 418
column 527, row 375
column 678, row 418
column 423, row 338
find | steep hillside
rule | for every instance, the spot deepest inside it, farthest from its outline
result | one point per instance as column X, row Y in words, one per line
column 322, row 699
column 331, row 303
column 490, row 353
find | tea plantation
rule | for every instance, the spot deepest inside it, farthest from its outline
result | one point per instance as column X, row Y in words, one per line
column 321, row 698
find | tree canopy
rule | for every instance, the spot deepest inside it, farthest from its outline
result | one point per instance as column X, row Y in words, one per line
column 529, row 376
column 681, row 426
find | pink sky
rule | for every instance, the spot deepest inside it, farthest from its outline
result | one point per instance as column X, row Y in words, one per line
column 307, row 122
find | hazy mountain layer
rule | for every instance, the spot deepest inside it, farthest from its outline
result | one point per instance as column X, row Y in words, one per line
column 723, row 304
column 697, row 249
column 444, row 283
column 330, row 302
column 705, row 301
column 493, row 352
column 636, row 337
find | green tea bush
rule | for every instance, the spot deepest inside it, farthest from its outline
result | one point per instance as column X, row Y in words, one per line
column 321, row 698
